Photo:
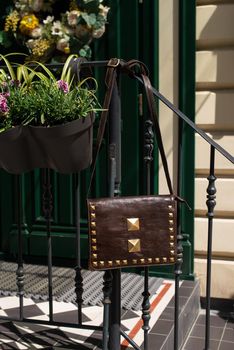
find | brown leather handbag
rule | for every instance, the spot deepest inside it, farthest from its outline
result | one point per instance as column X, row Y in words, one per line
column 138, row 230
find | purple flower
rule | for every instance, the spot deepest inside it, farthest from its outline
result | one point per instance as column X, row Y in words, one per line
column 3, row 104
column 15, row 83
column 63, row 86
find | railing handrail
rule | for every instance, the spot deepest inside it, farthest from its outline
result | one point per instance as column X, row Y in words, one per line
column 181, row 115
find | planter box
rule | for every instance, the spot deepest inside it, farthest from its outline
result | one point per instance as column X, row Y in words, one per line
column 65, row 148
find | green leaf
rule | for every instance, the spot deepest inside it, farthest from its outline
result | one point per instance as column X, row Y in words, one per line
column 5, row 39
column 89, row 19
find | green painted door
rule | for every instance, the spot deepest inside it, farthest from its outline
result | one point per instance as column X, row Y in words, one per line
column 132, row 33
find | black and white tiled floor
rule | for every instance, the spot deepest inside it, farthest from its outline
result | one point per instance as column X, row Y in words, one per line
column 17, row 335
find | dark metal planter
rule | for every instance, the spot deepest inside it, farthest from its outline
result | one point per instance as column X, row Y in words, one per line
column 65, row 148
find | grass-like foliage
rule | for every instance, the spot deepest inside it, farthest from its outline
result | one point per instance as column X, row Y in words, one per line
column 33, row 96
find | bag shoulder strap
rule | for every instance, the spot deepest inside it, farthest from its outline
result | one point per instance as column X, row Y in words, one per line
column 132, row 68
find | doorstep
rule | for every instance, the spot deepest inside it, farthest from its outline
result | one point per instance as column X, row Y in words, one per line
column 24, row 335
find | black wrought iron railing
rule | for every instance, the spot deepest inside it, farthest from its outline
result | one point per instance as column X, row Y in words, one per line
column 111, row 328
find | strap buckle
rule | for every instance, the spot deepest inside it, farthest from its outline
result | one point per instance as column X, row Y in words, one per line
column 113, row 62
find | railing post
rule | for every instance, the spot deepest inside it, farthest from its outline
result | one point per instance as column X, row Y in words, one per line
column 78, row 276
column 114, row 183
column 47, row 209
column 20, row 268
column 148, row 146
column 211, row 202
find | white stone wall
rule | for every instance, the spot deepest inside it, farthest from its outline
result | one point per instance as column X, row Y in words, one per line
column 215, row 115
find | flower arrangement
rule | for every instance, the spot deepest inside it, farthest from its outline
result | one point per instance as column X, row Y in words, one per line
column 44, row 32
column 38, row 98
column 45, row 121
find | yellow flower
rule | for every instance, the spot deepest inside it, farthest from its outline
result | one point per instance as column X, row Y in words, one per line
column 28, row 23
column 67, row 50
column 40, row 46
column 12, row 21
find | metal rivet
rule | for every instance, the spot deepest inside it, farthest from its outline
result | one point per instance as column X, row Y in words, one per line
column 134, row 245
column 95, row 263
column 110, row 263
column 101, row 263
column 142, row 261
column 170, row 215
column 164, row 259
column 157, row 260
column 94, row 256
column 133, row 224
column 124, row 262
column 172, row 259
column 117, row 262
column 150, row 260
column 134, row 261
column 94, row 247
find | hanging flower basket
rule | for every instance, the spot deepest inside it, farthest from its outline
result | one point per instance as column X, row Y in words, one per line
column 45, row 123
column 65, row 148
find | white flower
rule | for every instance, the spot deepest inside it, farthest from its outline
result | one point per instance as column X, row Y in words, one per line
column 104, row 10
column 36, row 32
column 72, row 17
column 62, row 44
column 57, row 29
column 48, row 20
column 37, row 5
column 30, row 44
column 97, row 33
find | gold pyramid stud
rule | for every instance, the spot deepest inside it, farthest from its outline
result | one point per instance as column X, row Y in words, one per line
column 171, row 222
column 172, row 259
column 172, row 238
column 171, row 244
column 124, row 262
column 134, row 245
column 171, row 229
column 110, row 263
column 93, row 215
column 95, row 263
column 134, row 261
column 93, row 232
column 117, row 262
column 101, row 263
column 94, row 240
column 92, row 207
column 93, row 224
column 94, row 247
column 170, row 215
column 142, row 261
column 172, row 252
column 133, row 224
column 150, row 260
column 169, row 206
column 94, row 256
column 157, row 260
column 164, row 259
